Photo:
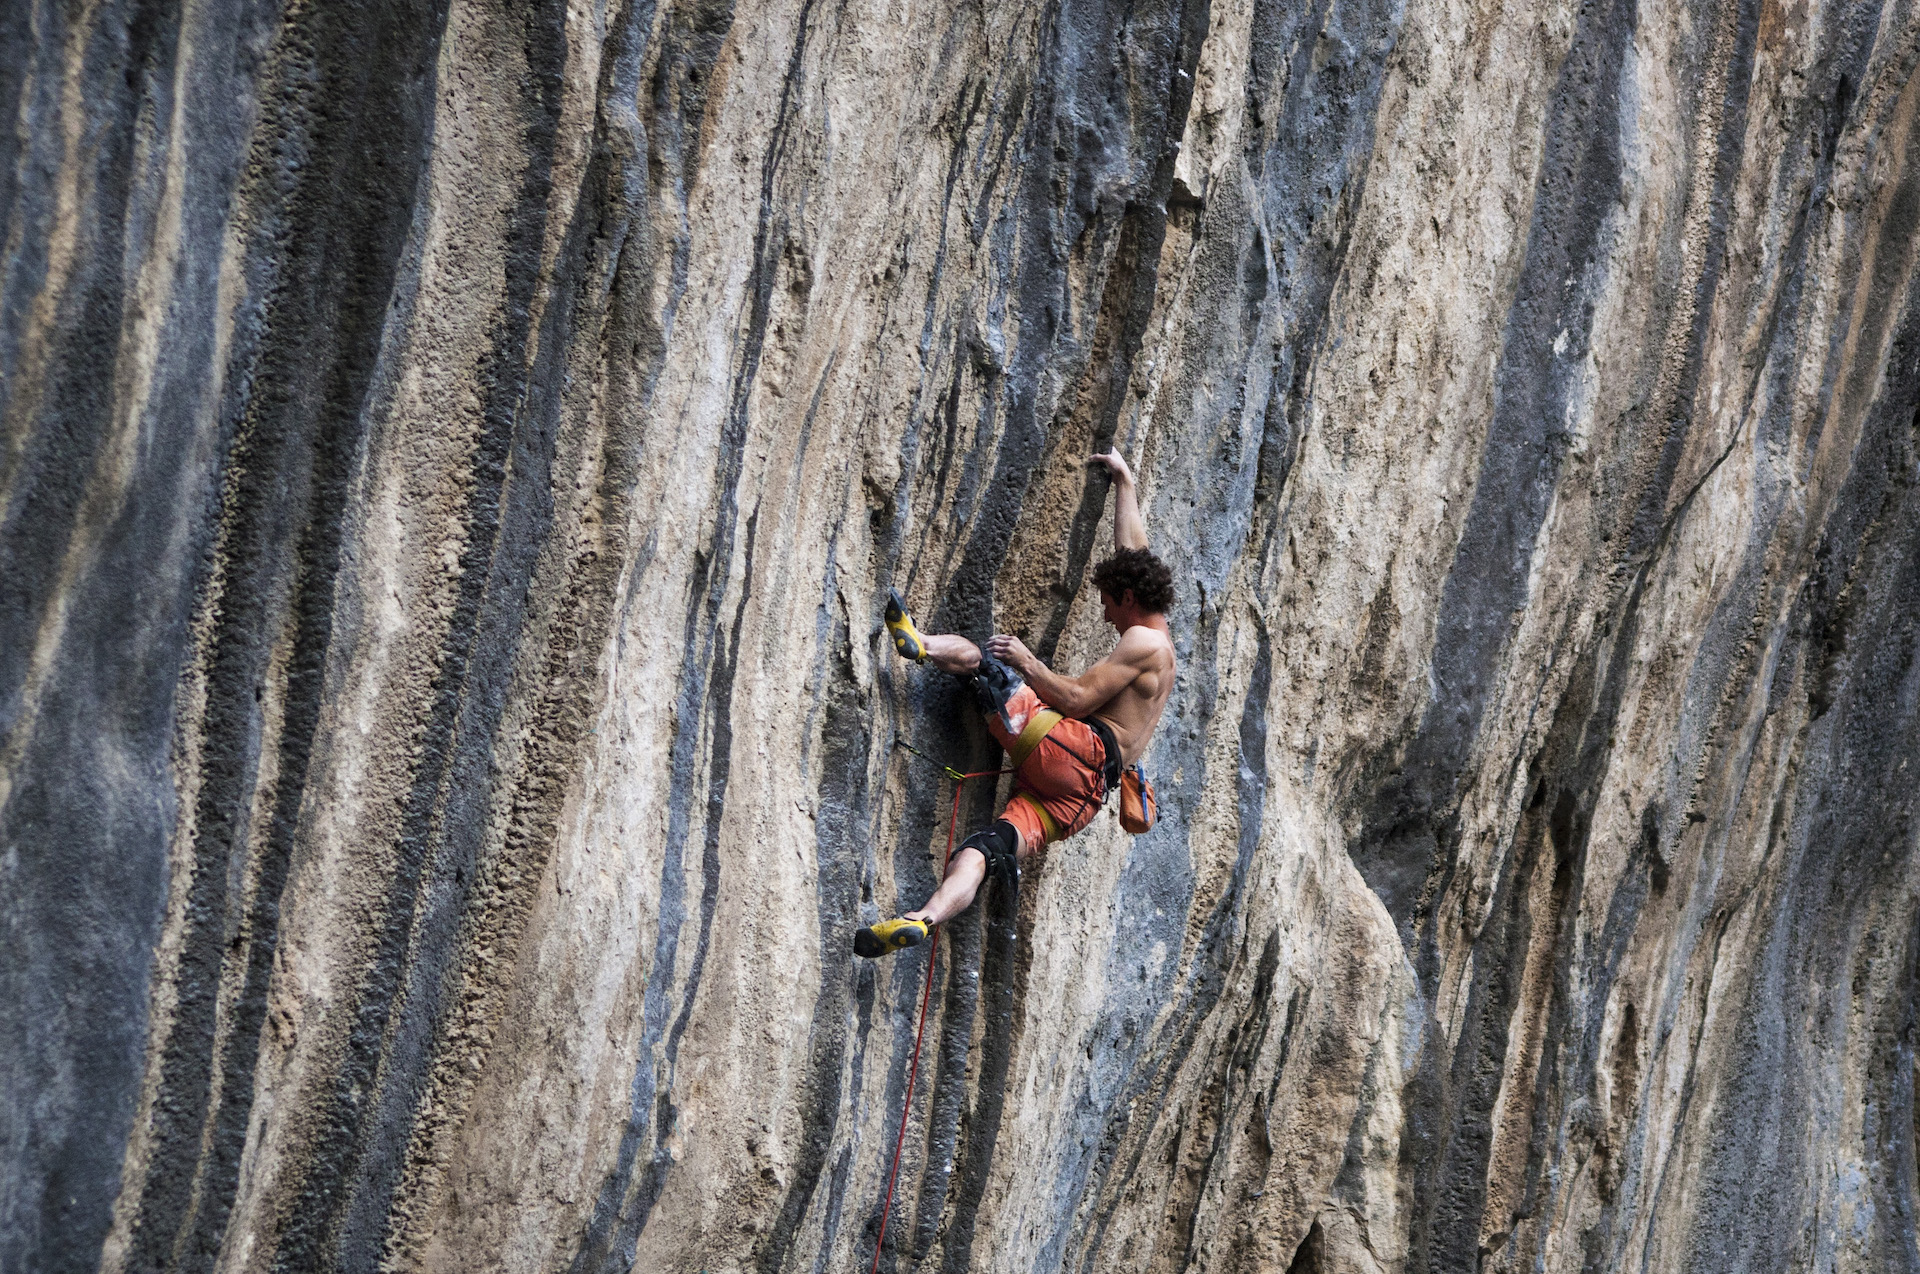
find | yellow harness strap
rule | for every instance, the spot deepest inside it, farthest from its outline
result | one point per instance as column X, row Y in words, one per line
column 1048, row 828
column 1039, row 725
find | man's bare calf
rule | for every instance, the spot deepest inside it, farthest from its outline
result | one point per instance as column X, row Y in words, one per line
column 953, row 654
column 965, row 874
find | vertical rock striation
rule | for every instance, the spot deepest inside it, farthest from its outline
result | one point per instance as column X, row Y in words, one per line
column 452, row 454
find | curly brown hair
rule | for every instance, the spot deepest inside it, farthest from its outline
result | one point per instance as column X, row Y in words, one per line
column 1139, row 572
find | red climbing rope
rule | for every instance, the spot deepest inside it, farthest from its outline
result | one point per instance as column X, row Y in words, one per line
column 926, row 995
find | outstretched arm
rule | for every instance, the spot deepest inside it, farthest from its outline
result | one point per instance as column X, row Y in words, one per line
column 1088, row 692
column 1129, row 532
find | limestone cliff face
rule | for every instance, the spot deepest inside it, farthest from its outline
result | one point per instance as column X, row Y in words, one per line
column 452, row 456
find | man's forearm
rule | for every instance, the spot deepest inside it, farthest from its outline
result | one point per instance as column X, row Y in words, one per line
column 1062, row 694
column 1129, row 532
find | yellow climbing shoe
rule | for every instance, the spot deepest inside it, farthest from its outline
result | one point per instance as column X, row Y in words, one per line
column 889, row 935
column 906, row 638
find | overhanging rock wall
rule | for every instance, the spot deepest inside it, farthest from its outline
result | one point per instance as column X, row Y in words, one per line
column 453, row 455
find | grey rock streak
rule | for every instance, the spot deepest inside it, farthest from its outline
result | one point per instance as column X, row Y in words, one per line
column 452, row 457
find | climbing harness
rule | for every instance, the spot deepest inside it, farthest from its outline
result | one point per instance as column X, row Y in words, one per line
column 926, row 992
column 1039, row 726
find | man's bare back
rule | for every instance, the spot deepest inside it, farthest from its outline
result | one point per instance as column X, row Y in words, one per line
column 1135, row 711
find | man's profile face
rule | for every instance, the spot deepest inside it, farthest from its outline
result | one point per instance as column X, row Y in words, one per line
column 1110, row 606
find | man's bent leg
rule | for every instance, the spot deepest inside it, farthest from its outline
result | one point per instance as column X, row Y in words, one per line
column 997, row 689
column 994, row 684
column 990, row 851
column 945, row 651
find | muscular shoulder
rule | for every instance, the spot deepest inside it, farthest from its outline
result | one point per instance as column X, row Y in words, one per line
column 1147, row 648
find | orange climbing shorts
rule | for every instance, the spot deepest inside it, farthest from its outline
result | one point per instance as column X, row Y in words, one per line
column 1062, row 776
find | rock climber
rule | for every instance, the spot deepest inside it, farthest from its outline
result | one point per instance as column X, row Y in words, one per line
column 1069, row 737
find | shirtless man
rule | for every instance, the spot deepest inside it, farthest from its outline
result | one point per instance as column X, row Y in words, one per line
column 1070, row 737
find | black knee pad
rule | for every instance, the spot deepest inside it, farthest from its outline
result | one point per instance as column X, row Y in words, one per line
column 1000, row 846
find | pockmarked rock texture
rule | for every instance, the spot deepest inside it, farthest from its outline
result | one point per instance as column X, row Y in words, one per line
column 452, row 457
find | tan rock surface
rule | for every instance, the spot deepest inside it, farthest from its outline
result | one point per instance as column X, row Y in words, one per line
column 452, row 459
